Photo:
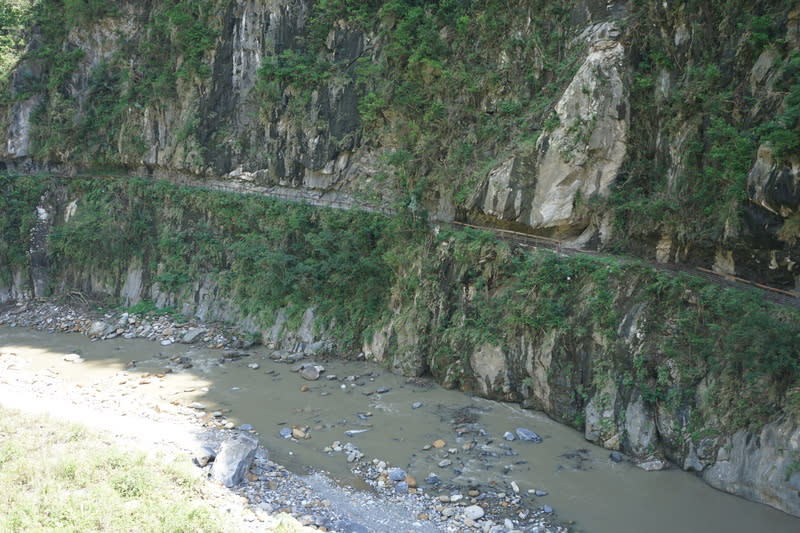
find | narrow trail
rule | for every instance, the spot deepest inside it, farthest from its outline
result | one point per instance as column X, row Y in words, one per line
column 344, row 201
column 340, row 200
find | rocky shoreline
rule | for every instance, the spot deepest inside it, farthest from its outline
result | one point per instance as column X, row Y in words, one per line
column 395, row 503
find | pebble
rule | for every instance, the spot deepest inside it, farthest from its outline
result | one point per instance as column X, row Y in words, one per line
column 473, row 512
column 245, row 427
column 300, row 432
column 416, row 405
column 73, row 358
column 352, row 432
column 652, row 466
column 528, row 435
column 204, row 455
column 439, row 443
column 254, row 366
column 286, row 433
column 445, row 463
column 397, row 474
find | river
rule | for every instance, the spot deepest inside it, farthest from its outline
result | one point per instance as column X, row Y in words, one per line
column 403, row 418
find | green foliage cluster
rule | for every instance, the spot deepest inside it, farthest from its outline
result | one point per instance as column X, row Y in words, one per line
column 753, row 347
column 13, row 20
column 142, row 72
column 512, row 294
column 111, row 225
column 712, row 115
column 80, row 12
column 694, row 329
column 783, row 134
column 269, row 255
column 19, row 197
column 437, row 67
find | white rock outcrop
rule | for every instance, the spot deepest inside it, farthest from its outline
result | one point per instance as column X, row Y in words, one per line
column 580, row 157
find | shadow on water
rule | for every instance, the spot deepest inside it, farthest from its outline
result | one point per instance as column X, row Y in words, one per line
column 397, row 420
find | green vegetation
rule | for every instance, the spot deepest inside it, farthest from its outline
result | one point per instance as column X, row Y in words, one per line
column 270, row 255
column 61, row 478
column 793, row 467
column 492, row 294
column 14, row 17
column 715, row 121
column 19, row 197
column 783, row 134
column 88, row 130
column 57, row 477
column 430, row 74
column 444, row 90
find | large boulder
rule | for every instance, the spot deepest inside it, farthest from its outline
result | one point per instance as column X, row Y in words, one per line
column 234, row 459
column 191, row 335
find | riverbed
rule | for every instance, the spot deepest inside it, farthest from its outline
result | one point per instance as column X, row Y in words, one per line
column 449, row 442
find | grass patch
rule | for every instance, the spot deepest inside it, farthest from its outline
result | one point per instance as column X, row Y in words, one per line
column 56, row 477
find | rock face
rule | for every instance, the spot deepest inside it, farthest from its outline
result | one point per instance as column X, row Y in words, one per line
column 581, row 156
column 644, row 141
column 600, row 368
column 755, row 466
column 258, row 94
column 234, row 459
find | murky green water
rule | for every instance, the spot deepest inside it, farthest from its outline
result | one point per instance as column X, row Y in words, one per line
column 582, row 483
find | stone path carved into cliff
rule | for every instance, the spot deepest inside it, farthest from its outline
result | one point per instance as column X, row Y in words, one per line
column 338, row 200
column 341, row 200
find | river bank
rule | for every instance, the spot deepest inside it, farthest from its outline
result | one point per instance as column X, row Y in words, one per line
column 135, row 408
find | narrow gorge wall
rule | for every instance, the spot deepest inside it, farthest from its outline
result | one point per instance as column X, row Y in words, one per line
column 662, row 367
column 658, row 366
column 667, row 131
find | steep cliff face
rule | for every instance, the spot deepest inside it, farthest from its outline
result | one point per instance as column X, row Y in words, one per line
column 661, row 367
column 667, row 130
column 653, row 364
column 580, row 157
